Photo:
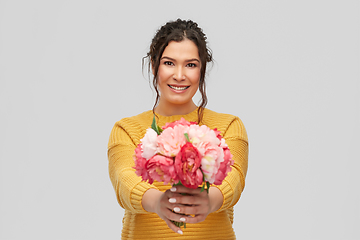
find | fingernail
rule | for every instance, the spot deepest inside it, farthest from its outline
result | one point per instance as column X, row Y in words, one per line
column 176, row 209
column 180, row 232
column 173, row 189
column 182, row 219
column 172, row 200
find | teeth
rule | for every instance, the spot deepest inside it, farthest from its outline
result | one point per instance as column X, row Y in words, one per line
column 178, row 88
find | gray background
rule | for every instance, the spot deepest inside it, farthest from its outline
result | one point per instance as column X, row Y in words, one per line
column 289, row 69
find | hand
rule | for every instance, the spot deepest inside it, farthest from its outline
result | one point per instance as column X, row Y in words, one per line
column 196, row 205
column 158, row 202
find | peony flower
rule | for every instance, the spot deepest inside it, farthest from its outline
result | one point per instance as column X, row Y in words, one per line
column 149, row 144
column 224, row 168
column 202, row 135
column 187, row 166
column 170, row 158
column 182, row 121
column 210, row 162
column 161, row 169
column 171, row 140
column 223, row 144
column 140, row 164
column 218, row 133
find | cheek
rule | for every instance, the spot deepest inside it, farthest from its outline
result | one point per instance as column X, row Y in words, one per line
column 195, row 78
column 160, row 78
column 164, row 73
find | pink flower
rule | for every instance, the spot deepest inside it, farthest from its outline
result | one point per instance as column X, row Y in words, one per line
column 187, row 166
column 171, row 140
column 149, row 144
column 182, row 121
column 202, row 135
column 217, row 133
column 169, row 158
column 223, row 144
column 225, row 167
column 161, row 169
column 140, row 164
column 210, row 162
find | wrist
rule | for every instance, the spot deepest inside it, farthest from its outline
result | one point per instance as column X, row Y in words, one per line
column 150, row 199
column 216, row 199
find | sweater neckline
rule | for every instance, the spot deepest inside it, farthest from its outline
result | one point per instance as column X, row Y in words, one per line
column 192, row 116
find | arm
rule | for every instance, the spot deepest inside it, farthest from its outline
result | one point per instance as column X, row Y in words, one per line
column 233, row 185
column 129, row 188
column 132, row 193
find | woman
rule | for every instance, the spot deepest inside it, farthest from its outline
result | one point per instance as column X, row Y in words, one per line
column 178, row 56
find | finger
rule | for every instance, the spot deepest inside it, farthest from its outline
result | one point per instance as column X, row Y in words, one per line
column 174, row 215
column 182, row 189
column 169, row 199
column 173, row 227
column 191, row 210
column 168, row 216
column 195, row 219
column 169, row 193
column 189, row 199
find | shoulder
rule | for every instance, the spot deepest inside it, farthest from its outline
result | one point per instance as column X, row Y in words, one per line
column 218, row 120
column 135, row 126
column 134, row 121
column 225, row 123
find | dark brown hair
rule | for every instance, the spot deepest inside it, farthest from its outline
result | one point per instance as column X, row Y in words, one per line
column 178, row 31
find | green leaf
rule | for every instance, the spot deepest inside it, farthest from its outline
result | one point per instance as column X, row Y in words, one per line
column 202, row 188
column 187, row 137
column 177, row 184
column 207, row 187
column 203, row 175
column 154, row 126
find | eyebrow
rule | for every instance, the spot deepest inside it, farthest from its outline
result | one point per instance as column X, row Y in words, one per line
column 189, row 60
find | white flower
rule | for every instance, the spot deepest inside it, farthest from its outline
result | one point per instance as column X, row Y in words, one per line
column 149, row 144
column 210, row 162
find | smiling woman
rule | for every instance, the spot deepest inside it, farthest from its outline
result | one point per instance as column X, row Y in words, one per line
column 178, row 57
column 178, row 78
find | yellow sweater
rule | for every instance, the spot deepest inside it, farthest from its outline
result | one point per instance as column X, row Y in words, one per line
column 129, row 189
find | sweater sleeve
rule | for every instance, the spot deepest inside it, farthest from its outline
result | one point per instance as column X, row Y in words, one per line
column 129, row 188
column 232, row 186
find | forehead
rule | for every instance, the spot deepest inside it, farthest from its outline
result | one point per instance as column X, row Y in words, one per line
column 185, row 49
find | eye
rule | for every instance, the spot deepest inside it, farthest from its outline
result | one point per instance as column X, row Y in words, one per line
column 168, row 63
column 192, row 65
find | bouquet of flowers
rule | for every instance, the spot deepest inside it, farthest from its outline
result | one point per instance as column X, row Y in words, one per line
column 184, row 153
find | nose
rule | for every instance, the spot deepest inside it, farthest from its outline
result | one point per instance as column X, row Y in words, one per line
column 179, row 73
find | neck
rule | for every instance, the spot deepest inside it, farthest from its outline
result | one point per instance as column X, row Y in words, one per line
column 173, row 109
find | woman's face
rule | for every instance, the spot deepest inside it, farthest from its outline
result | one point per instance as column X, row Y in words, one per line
column 179, row 74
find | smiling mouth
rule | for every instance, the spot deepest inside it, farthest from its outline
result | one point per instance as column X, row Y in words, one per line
column 179, row 88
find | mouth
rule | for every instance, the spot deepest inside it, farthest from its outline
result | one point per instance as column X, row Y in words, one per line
column 178, row 88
